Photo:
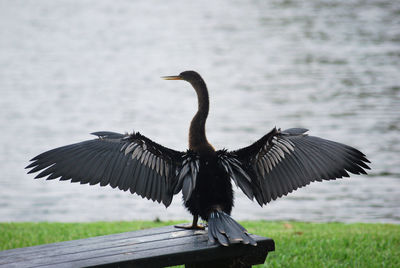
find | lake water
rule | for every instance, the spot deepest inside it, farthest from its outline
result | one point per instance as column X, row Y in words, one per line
column 69, row 68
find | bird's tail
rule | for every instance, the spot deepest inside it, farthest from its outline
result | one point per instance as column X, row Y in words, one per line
column 225, row 230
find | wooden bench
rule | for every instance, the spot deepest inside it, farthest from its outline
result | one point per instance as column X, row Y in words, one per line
column 158, row 247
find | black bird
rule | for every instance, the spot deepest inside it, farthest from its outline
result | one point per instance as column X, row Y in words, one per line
column 275, row 165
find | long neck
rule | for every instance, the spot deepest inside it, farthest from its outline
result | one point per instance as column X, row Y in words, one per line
column 197, row 132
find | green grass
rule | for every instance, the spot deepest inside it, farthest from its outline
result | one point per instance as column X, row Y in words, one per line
column 297, row 244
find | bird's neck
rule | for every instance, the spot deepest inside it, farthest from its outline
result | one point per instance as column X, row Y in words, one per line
column 197, row 132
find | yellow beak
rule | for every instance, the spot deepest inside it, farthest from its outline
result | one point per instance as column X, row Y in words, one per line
column 172, row 77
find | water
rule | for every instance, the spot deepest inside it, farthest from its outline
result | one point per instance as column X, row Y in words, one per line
column 68, row 68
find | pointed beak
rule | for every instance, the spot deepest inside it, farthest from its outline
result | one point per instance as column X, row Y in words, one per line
column 172, row 77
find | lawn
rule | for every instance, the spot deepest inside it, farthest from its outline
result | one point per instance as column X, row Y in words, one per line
column 298, row 244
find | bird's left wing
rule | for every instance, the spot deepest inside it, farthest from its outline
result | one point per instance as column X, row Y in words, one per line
column 282, row 161
column 129, row 161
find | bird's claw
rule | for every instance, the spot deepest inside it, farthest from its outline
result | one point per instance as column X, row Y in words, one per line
column 189, row 226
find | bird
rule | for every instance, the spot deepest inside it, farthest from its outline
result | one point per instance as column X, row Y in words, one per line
column 273, row 166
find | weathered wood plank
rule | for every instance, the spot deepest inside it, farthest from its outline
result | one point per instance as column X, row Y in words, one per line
column 124, row 246
column 91, row 240
column 147, row 248
column 166, row 256
column 94, row 246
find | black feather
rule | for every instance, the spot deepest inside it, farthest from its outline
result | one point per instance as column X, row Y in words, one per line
column 225, row 230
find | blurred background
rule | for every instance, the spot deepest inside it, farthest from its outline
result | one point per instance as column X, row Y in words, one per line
column 69, row 68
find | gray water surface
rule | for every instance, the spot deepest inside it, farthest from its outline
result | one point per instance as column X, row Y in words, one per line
column 69, row 68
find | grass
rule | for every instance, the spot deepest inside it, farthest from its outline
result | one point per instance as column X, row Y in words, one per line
column 298, row 244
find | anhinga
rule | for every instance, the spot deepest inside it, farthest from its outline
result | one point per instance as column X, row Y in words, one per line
column 275, row 165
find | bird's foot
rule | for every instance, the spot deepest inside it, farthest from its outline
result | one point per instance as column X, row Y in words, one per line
column 190, row 226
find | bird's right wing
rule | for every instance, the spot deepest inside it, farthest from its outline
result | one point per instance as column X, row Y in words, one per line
column 131, row 162
column 282, row 161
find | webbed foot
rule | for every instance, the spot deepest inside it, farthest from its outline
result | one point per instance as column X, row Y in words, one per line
column 190, row 226
column 193, row 226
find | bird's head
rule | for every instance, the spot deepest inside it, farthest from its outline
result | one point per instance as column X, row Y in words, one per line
column 189, row 76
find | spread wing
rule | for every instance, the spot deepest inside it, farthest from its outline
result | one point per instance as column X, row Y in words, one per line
column 283, row 161
column 131, row 162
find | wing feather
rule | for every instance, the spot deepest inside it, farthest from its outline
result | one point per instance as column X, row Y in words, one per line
column 126, row 161
column 283, row 161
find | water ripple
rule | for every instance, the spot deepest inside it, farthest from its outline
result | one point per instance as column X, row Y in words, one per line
column 69, row 68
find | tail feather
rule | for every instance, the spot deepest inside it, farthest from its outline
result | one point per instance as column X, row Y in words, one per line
column 225, row 230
